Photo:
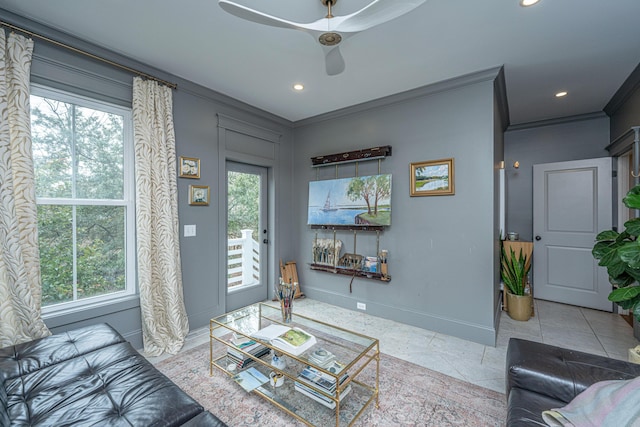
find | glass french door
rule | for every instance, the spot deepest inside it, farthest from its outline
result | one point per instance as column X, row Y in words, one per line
column 247, row 235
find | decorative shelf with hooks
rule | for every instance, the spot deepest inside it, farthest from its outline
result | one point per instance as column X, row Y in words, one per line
column 327, row 255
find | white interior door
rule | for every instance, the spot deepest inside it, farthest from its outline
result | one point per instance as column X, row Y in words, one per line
column 572, row 203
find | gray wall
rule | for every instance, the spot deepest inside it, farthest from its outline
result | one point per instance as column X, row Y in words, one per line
column 582, row 138
column 196, row 112
column 442, row 256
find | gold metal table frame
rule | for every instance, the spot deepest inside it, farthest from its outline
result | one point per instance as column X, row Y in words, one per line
column 355, row 351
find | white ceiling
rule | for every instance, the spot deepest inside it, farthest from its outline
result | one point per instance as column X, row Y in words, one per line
column 586, row 47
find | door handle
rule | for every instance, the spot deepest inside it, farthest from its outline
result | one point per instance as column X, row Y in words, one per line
column 265, row 241
column 538, row 238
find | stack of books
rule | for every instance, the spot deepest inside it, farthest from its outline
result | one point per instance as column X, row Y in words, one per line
column 321, row 357
column 247, row 345
column 321, row 381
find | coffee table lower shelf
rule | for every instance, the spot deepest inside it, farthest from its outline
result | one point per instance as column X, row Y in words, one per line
column 304, row 408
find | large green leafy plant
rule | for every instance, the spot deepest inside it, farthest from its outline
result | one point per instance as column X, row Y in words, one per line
column 514, row 271
column 620, row 253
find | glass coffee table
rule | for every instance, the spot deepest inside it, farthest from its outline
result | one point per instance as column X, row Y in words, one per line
column 331, row 382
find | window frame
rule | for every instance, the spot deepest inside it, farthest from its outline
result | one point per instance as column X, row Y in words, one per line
column 127, row 201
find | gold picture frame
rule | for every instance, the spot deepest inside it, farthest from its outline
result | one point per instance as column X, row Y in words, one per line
column 199, row 195
column 432, row 178
column 189, row 167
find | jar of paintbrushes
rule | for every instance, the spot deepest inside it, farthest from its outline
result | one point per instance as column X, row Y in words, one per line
column 285, row 292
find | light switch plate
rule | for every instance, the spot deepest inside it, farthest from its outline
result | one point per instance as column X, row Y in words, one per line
column 189, row 230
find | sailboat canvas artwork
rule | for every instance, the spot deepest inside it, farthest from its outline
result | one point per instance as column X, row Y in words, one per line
column 362, row 200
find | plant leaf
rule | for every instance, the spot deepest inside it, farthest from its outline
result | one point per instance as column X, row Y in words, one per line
column 633, row 227
column 634, row 273
column 607, row 235
column 613, row 262
column 621, row 280
column 601, row 249
column 632, row 199
column 630, row 254
column 624, row 294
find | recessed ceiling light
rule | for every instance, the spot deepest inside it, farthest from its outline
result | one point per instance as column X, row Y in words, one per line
column 527, row 3
column 298, row 87
column 561, row 94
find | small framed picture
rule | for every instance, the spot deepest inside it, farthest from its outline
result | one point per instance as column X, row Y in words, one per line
column 432, row 178
column 189, row 167
column 199, row 195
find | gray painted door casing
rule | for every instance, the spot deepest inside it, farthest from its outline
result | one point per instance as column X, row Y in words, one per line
column 572, row 203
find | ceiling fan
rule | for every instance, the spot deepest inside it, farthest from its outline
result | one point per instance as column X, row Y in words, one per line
column 331, row 30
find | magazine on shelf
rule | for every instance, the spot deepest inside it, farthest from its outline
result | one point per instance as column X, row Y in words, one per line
column 292, row 340
column 246, row 361
column 250, row 379
column 316, row 378
column 320, row 379
column 253, row 349
column 320, row 398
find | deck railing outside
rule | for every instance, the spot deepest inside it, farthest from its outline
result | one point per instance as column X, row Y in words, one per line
column 243, row 260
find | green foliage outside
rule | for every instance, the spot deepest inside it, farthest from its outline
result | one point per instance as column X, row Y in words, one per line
column 243, row 203
column 78, row 154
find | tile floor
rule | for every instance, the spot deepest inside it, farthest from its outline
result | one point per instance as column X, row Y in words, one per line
column 558, row 324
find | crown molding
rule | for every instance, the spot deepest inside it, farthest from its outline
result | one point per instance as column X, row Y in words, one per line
column 557, row 121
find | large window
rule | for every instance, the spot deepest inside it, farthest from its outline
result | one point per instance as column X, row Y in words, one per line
column 82, row 153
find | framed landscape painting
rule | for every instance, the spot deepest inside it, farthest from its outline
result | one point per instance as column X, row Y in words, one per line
column 432, row 178
column 362, row 200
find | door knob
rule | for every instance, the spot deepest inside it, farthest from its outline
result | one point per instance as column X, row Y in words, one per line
column 538, row 238
column 265, row 241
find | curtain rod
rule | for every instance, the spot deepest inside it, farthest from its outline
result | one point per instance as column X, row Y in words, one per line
column 90, row 55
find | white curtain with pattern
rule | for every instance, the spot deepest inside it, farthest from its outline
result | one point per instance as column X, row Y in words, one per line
column 164, row 318
column 20, row 287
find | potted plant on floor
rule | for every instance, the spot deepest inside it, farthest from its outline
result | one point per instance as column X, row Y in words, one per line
column 514, row 273
column 619, row 252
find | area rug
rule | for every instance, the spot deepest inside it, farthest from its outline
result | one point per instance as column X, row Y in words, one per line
column 410, row 395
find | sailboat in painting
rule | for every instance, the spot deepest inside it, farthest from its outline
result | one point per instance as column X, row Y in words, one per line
column 327, row 204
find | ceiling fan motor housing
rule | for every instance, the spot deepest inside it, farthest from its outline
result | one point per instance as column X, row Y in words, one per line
column 330, row 39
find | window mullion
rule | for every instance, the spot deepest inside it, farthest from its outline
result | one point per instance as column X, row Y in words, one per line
column 74, row 194
column 74, row 225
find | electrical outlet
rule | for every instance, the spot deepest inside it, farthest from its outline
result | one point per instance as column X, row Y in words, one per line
column 361, row 306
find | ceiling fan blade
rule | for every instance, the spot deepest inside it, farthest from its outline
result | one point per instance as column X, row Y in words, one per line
column 376, row 13
column 334, row 62
column 256, row 16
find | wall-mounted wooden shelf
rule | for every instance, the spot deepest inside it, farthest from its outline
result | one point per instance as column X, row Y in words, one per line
column 351, row 272
column 352, row 156
column 348, row 227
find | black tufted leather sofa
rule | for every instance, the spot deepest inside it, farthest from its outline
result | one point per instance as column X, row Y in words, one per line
column 90, row 377
column 541, row 377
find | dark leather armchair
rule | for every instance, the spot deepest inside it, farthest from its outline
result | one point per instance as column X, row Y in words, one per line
column 541, row 377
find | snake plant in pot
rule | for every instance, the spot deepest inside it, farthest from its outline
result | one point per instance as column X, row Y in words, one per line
column 514, row 273
column 619, row 252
